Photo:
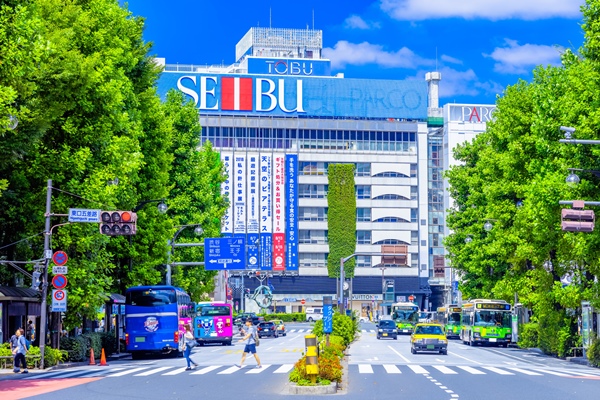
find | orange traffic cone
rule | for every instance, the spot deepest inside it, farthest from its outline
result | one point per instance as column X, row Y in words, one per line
column 92, row 361
column 103, row 358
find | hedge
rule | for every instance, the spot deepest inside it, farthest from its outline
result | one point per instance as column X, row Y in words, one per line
column 51, row 356
column 79, row 347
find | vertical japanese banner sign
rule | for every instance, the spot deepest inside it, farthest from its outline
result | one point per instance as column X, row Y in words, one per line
column 227, row 190
column 239, row 205
column 291, row 214
column 266, row 218
column 279, row 212
column 253, row 210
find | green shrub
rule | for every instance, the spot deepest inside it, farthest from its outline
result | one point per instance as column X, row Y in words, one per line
column 109, row 342
column 343, row 326
column 51, row 356
column 593, row 353
column 76, row 347
column 330, row 367
column 528, row 335
column 285, row 317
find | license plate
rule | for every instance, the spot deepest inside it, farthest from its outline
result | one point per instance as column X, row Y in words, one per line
column 404, row 330
column 385, row 334
column 493, row 340
column 140, row 339
column 430, row 346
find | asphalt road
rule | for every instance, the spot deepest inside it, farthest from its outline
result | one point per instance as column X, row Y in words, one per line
column 377, row 369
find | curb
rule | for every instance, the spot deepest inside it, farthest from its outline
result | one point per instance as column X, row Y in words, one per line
column 313, row 390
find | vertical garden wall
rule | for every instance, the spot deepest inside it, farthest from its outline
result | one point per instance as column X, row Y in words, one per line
column 341, row 218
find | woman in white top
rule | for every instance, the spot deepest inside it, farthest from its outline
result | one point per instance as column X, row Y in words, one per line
column 190, row 342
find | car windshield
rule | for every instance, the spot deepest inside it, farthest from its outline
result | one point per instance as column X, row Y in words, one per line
column 387, row 324
column 428, row 330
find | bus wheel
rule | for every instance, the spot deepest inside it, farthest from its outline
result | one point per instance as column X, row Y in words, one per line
column 228, row 343
column 136, row 355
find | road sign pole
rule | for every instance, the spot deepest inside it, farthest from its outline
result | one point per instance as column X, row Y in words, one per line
column 44, row 315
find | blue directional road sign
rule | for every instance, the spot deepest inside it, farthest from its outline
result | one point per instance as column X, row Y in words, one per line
column 224, row 253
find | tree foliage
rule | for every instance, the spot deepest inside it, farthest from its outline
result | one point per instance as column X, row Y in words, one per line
column 80, row 80
column 341, row 218
column 514, row 175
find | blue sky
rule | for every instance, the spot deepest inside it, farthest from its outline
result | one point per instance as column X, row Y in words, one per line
column 479, row 46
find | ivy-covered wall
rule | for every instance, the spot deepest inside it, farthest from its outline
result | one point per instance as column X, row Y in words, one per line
column 341, row 218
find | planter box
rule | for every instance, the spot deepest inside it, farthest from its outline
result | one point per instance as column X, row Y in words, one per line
column 313, row 390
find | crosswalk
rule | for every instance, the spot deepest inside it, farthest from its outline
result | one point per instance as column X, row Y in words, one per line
column 310, row 330
column 375, row 369
column 464, row 369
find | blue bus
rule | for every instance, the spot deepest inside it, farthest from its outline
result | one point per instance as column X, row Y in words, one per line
column 154, row 319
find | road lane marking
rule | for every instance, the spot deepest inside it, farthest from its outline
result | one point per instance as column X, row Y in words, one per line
column 206, row 369
column 498, row 371
column 465, row 358
column 401, row 356
column 365, row 369
column 258, row 370
column 391, row 369
column 175, row 372
column 417, row 369
column 127, row 372
column 516, row 358
column 443, row 369
column 285, row 368
column 153, row 371
column 99, row 373
column 471, row 370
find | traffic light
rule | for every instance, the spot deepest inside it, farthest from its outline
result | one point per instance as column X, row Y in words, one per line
column 118, row 223
column 35, row 281
column 574, row 220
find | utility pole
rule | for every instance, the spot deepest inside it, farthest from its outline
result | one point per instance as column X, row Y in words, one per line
column 47, row 256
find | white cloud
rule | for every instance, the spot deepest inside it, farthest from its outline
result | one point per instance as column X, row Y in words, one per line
column 521, row 59
column 344, row 53
column 418, row 10
column 356, row 22
column 451, row 60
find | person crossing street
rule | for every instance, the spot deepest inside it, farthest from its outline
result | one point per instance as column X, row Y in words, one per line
column 250, row 340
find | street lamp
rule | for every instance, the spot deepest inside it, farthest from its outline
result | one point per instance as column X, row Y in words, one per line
column 488, row 225
column 468, row 239
column 197, row 230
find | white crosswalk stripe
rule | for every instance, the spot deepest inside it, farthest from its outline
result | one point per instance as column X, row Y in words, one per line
column 126, row 372
column 284, row 369
column 471, row 370
column 206, row 370
column 391, row 369
column 524, row 371
column 230, row 370
column 258, row 370
column 445, row 370
column 418, row 369
column 498, row 371
column 175, row 372
column 365, row 369
column 153, row 371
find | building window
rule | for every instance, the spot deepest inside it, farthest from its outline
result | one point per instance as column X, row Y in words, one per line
column 313, row 168
column 312, row 214
column 413, row 170
column 313, row 259
column 363, row 192
column 390, row 219
column 390, row 197
column 363, row 215
column 363, row 237
column 389, row 241
column 390, row 175
column 414, row 215
column 362, row 169
column 414, row 238
column 414, row 193
column 312, row 191
column 312, row 237
column 363, row 261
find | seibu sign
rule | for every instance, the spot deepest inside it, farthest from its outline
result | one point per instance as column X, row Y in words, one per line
column 242, row 94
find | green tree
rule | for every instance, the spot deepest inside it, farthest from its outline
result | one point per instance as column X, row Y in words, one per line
column 519, row 160
column 341, row 218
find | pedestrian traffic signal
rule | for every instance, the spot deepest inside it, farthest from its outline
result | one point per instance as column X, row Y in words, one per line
column 577, row 220
column 35, row 281
column 118, row 223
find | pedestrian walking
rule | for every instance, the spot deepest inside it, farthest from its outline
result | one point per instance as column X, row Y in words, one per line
column 31, row 330
column 20, row 352
column 250, row 340
column 188, row 344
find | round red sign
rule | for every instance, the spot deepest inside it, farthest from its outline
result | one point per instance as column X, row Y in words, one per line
column 59, row 281
column 59, row 258
column 302, row 301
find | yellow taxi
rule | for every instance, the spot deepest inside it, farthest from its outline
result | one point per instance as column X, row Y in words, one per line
column 428, row 337
column 280, row 327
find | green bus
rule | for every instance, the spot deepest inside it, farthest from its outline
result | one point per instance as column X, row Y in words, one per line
column 486, row 321
column 406, row 316
column 450, row 317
